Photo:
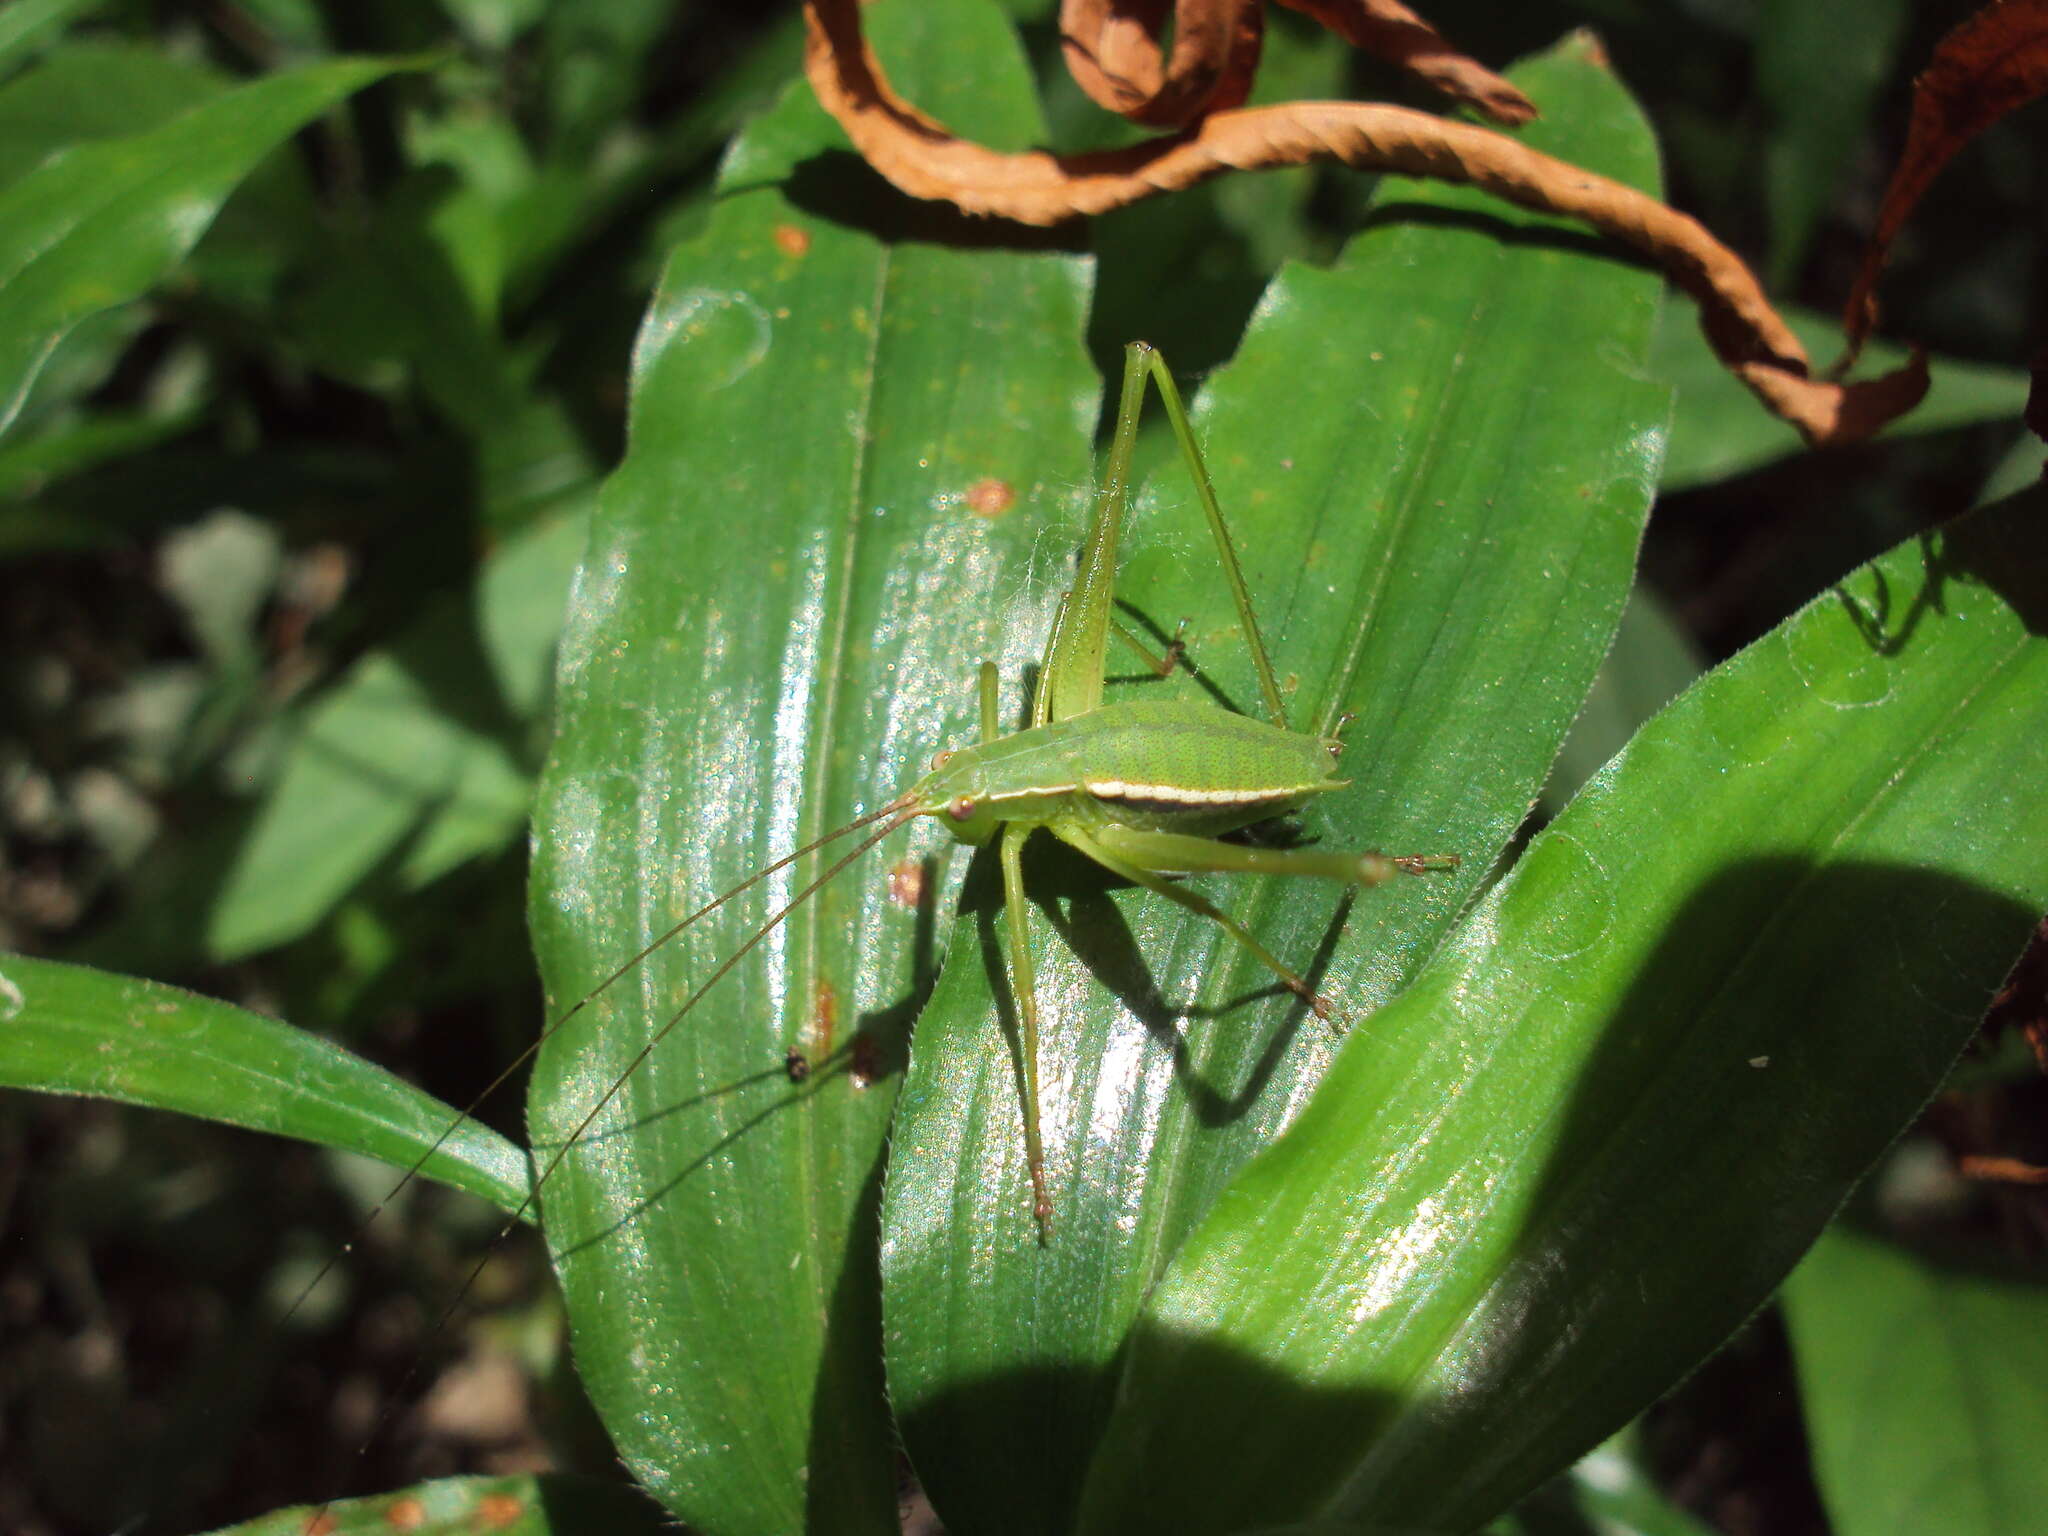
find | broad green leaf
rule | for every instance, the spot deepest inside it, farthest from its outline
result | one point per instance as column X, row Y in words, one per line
column 72, row 1029
column 1436, row 460
column 90, row 88
column 464, row 1506
column 92, row 228
column 1597, row 1132
column 1719, row 430
column 1819, row 67
column 1923, row 1388
column 789, row 584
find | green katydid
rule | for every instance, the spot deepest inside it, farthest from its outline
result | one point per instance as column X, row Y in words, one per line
column 1144, row 788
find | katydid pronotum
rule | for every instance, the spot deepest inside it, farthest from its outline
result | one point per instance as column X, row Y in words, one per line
column 1145, row 788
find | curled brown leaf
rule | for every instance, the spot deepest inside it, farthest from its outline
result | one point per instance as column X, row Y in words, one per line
column 2002, row 1170
column 1388, row 30
column 1992, row 63
column 1112, row 51
column 920, row 156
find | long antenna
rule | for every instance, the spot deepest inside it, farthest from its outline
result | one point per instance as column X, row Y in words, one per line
column 898, row 811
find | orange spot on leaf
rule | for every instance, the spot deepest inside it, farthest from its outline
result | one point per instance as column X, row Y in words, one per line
column 792, row 241
column 990, row 497
column 495, row 1511
column 906, row 883
column 824, row 1015
column 406, row 1515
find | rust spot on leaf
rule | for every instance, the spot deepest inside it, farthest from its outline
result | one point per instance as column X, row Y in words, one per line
column 906, row 883
column 791, row 241
column 495, row 1511
column 990, row 497
column 320, row 1523
column 406, row 1515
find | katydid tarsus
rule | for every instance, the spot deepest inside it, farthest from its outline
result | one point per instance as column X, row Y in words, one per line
column 1145, row 788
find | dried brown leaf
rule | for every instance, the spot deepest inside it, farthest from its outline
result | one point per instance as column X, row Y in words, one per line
column 1112, row 51
column 1827, row 411
column 1991, row 64
column 924, row 159
column 2002, row 1170
column 1388, row 30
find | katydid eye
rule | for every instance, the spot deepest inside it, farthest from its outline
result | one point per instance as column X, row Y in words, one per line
column 941, row 760
column 961, row 808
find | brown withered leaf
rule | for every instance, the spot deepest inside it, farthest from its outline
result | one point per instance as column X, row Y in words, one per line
column 1992, row 63
column 920, row 156
column 1112, row 51
column 2002, row 1170
column 1388, row 30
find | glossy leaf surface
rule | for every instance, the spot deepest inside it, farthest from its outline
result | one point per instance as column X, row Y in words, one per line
column 1436, row 459
column 71, row 1029
column 1607, row 1120
column 848, row 444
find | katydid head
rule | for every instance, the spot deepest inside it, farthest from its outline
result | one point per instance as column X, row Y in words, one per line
column 955, row 791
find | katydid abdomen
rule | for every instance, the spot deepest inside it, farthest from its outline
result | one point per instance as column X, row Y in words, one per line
column 1159, row 765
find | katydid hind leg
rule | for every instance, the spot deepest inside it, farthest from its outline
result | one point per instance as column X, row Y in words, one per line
column 1226, row 552
column 1095, row 848
column 1070, row 675
column 1178, row 853
column 989, row 692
